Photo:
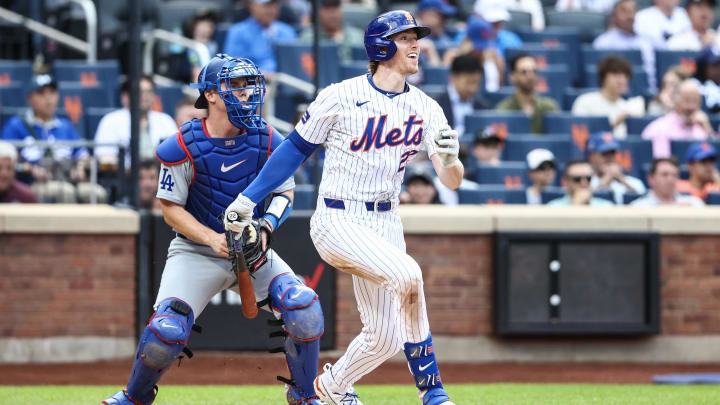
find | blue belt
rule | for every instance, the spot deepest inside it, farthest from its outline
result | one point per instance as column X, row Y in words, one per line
column 379, row 206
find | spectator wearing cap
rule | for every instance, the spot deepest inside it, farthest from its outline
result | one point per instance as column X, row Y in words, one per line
column 434, row 14
column 602, row 151
column 523, row 76
column 114, row 127
column 541, row 171
column 598, row 6
column 488, row 146
column 661, row 21
column 685, row 122
column 576, row 180
column 614, row 73
column 479, row 41
column 708, row 75
column 334, row 29
column 419, row 186
column 462, row 96
column 663, row 178
column 699, row 34
column 622, row 35
column 534, row 7
column 701, row 160
column 12, row 190
column 255, row 37
column 504, row 39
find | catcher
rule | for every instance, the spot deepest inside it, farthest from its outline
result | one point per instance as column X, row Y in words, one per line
column 203, row 168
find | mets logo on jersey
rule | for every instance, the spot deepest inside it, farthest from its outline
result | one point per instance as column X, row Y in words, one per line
column 375, row 136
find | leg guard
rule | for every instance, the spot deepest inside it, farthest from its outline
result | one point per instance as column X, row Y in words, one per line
column 162, row 341
column 304, row 324
column 424, row 368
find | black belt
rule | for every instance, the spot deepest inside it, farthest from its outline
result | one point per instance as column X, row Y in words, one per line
column 379, row 206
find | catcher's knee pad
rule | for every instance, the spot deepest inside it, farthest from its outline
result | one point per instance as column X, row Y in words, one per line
column 161, row 343
column 423, row 365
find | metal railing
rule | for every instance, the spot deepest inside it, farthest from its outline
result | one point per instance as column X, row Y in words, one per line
column 88, row 47
column 151, row 37
column 291, row 81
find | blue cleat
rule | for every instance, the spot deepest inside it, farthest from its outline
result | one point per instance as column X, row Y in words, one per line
column 435, row 396
column 122, row 398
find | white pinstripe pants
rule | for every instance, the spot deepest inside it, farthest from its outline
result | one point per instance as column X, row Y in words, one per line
column 387, row 283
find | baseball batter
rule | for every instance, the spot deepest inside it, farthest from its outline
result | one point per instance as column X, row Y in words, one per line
column 371, row 127
column 203, row 169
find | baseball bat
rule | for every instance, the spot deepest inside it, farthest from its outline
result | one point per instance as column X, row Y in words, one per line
column 247, row 291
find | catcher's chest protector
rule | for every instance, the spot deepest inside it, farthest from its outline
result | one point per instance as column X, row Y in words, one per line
column 223, row 168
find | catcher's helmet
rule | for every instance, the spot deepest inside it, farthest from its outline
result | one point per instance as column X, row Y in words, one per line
column 378, row 46
column 218, row 74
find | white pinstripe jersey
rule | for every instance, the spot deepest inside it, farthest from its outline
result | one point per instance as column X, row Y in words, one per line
column 369, row 137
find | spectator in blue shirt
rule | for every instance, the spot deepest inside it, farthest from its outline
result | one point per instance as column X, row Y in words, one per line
column 255, row 36
column 504, row 39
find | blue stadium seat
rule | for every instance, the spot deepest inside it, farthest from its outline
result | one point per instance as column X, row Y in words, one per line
column 551, row 193
column 519, row 20
column 103, row 73
column 297, row 60
column 518, row 146
column 664, row 59
column 169, row 97
column 638, row 85
column 605, row 195
column 545, row 57
column 553, row 37
column 636, row 125
column 358, row 15
column 93, row 115
column 12, row 71
column 79, row 122
column 509, row 174
column 679, row 148
column 13, row 94
column 630, row 197
column 493, row 98
column 304, row 197
column 172, row 14
column 507, row 122
column 492, row 194
column 359, row 54
column 633, row 154
column 352, row 69
column 589, row 23
column 436, row 75
column 552, row 82
column 566, row 123
column 90, row 96
column 591, row 56
column 713, row 199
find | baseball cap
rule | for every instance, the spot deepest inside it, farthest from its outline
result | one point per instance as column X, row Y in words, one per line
column 480, row 33
column 418, row 171
column 329, row 3
column 537, row 157
column 41, row 81
column 710, row 3
column 495, row 14
column 700, row 151
column 487, row 135
column 439, row 5
column 602, row 142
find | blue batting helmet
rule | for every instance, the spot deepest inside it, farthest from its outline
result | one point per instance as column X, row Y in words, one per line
column 218, row 75
column 378, row 45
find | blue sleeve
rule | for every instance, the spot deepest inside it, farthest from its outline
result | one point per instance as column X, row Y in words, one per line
column 276, row 140
column 282, row 164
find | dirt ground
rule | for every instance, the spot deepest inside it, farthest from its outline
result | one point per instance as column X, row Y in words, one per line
column 241, row 368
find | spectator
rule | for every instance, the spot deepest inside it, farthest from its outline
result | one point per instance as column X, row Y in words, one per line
column 622, row 35
column 479, row 42
column 541, row 171
column 114, row 127
column 686, row 121
column 434, row 14
column 419, row 186
column 255, row 37
column 524, row 77
column 201, row 28
column 49, row 168
column 12, row 190
column 576, row 180
column 488, row 147
column 663, row 178
column 602, row 154
column 462, row 96
column 701, row 158
column 148, row 184
column 661, row 21
column 663, row 102
column 708, row 75
column 699, row 34
column 534, row 7
column 614, row 73
column 504, row 39
column 598, row 6
column 185, row 111
column 333, row 28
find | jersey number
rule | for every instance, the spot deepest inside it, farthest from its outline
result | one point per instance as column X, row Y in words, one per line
column 404, row 159
column 166, row 181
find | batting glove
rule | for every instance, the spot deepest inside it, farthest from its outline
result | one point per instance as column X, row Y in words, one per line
column 448, row 146
column 238, row 215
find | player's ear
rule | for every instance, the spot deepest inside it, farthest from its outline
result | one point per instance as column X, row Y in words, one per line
column 211, row 96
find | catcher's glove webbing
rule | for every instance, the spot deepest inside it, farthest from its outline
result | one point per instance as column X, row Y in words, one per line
column 250, row 245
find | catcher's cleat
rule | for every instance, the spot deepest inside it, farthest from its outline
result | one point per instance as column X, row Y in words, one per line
column 435, row 396
column 327, row 392
column 122, row 398
column 294, row 398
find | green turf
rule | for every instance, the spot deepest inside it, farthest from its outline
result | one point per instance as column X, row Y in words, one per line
column 462, row 394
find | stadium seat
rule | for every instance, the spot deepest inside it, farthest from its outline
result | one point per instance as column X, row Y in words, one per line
column 630, row 197
column 605, row 195
column 89, row 96
column 638, row 86
column 13, row 94
column 15, row 71
column 168, row 97
column 104, row 73
column 358, row 15
column 93, row 115
column 551, row 193
column 509, row 174
column 297, row 60
column 576, row 125
column 304, row 197
column 435, row 75
column 175, row 12
column 636, row 125
column 492, row 194
column 633, row 154
column 78, row 122
column 664, row 59
column 590, row 24
column 352, row 69
column 591, row 56
column 505, row 122
column 552, row 82
column 518, row 20
column 359, row 54
column 493, row 98
column 518, row 146
column 713, row 199
column 545, row 57
column 554, row 37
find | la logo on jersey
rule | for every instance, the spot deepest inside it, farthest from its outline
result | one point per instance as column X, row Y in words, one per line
column 373, row 135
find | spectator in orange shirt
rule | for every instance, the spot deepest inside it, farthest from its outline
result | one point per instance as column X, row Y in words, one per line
column 704, row 176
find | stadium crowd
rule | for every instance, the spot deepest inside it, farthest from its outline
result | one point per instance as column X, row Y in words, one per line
column 567, row 102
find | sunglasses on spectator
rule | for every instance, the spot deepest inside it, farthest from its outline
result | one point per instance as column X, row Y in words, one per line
column 578, row 179
column 526, row 71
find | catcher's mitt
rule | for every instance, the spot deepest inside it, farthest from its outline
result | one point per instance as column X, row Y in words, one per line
column 250, row 245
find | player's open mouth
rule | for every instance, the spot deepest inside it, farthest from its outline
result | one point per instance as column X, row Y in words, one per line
column 412, row 55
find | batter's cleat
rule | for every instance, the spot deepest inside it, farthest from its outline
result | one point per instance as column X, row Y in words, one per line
column 294, row 398
column 328, row 391
column 122, row 398
column 435, row 396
